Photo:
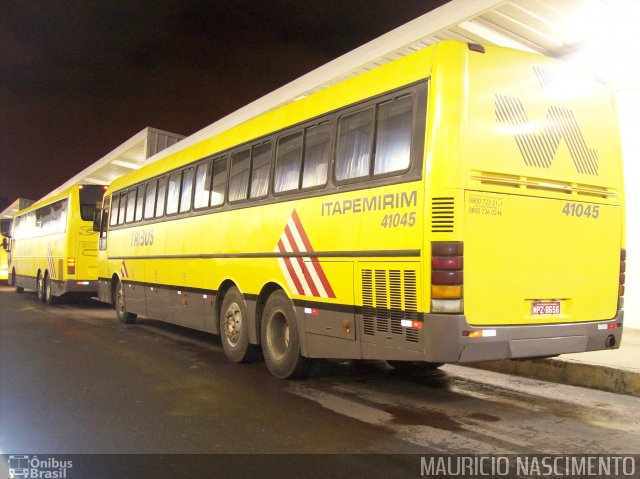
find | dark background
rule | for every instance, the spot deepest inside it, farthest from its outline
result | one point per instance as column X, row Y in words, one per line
column 79, row 78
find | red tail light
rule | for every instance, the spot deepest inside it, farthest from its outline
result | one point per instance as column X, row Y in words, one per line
column 447, row 276
column 71, row 266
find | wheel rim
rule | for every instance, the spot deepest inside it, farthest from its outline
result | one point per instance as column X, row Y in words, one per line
column 40, row 285
column 120, row 300
column 232, row 324
column 47, row 289
column 278, row 335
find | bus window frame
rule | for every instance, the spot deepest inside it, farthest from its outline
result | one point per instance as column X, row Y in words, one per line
column 331, row 121
column 419, row 90
column 376, row 103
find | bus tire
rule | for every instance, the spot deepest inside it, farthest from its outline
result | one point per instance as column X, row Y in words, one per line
column 121, row 308
column 40, row 287
column 19, row 289
column 234, row 328
column 280, row 338
column 413, row 366
column 49, row 298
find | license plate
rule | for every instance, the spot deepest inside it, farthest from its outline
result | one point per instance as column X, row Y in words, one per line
column 545, row 308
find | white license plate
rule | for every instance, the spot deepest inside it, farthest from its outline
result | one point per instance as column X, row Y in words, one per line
column 545, row 308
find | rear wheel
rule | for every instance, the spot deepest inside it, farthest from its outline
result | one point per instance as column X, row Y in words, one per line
column 413, row 366
column 121, row 307
column 234, row 328
column 19, row 289
column 49, row 298
column 40, row 287
column 280, row 338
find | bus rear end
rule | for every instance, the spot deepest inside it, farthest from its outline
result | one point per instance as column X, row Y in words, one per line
column 537, row 240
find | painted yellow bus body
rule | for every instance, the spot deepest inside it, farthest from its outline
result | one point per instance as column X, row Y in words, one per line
column 4, row 266
column 522, row 174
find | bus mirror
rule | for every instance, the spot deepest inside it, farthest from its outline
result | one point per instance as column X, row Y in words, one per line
column 5, row 228
column 5, row 244
column 97, row 216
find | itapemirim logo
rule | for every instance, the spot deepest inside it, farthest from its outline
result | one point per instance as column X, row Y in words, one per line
column 32, row 467
column 538, row 147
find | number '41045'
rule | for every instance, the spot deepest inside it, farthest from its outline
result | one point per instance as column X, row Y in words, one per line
column 578, row 209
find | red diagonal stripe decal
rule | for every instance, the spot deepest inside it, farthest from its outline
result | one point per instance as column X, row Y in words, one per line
column 314, row 261
column 292, row 272
column 303, row 266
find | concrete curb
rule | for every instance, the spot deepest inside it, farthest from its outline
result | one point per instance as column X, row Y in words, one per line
column 575, row 373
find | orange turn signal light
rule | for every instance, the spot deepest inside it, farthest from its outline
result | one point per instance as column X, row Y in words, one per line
column 446, row 291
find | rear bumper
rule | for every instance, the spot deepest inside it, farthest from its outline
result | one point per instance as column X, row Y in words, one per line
column 447, row 342
column 83, row 287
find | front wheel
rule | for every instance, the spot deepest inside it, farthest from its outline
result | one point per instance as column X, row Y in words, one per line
column 280, row 338
column 121, row 307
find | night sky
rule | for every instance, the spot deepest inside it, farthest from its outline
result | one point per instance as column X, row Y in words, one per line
column 79, row 78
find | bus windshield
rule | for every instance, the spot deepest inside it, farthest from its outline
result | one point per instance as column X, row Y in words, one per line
column 89, row 196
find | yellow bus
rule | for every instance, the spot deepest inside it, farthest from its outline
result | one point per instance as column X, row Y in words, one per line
column 53, row 248
column 458, row 204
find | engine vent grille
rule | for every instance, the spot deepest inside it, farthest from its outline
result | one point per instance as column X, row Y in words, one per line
column 442, row 215
column 388, row 297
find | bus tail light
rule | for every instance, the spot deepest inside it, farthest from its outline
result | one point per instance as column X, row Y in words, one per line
column 71, row 266
column 447, row 279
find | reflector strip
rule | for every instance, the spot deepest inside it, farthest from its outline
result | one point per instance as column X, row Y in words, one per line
column 480, row 333
column 608, row 326
column 407, row 323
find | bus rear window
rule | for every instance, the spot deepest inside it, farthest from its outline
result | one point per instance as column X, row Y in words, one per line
column 89, row 196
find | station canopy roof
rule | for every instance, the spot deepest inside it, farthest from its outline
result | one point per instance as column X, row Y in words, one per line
column 14, row 207
column 130, row 155
column 557, row 28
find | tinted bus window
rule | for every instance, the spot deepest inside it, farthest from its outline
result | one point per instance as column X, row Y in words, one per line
column 316, row 155
column 123, row 205
column 173, row 193
column 185, row 195
column 160, row 199
column 239, row 179
column 260, row 168
column 219, row 185
column 139, row 202
column 288, row 162
column 355, row 134
column 203, row 182
column 115, row 207
column 150, row 199
column 131, row 206
column 90, row 195
column 393, row 136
